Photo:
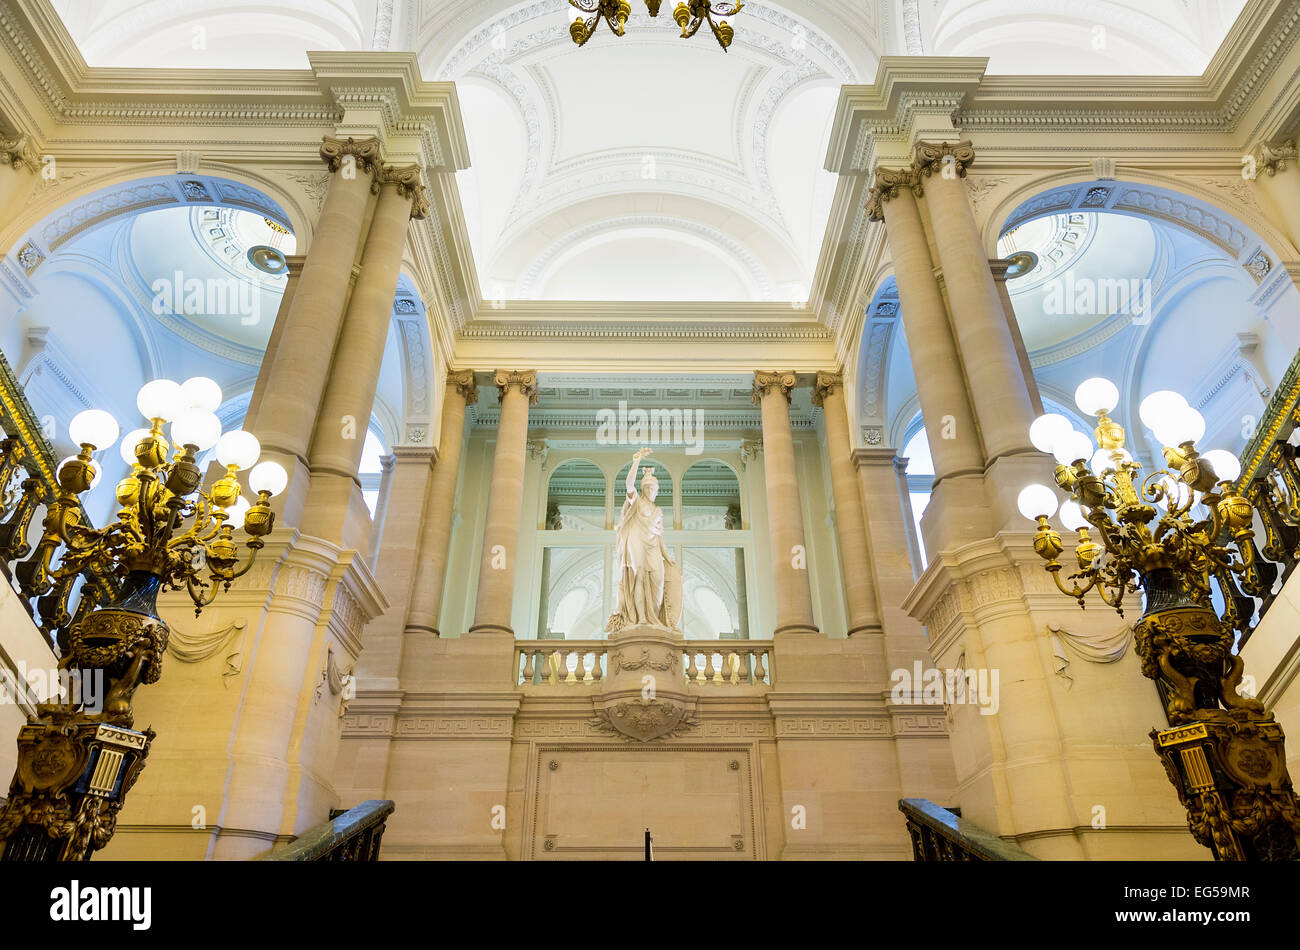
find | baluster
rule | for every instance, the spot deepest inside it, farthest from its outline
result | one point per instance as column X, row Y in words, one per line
column 760, row 667
column 595, row 665
column 553, row 662
column 732, row 666
column 707, row 676
column 580, row 671
column 528, row 659
column 570, row 654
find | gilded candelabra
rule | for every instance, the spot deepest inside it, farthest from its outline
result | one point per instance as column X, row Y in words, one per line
column 1179, row 535
column 689, row 16
column 76, row 763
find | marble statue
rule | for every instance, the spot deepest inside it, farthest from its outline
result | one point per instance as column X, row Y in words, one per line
column 649, row 582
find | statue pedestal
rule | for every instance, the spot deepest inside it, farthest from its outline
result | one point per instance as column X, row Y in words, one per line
column 644, row 691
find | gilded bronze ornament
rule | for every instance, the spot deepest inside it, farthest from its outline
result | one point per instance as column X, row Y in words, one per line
column 689, row 17
column 1178, row 536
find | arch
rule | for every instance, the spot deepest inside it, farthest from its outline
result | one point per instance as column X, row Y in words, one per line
column 876, row 342
column 588, row 472
column 56, row 215
column 1199, row 211
column 666, row 496
column 721, row 485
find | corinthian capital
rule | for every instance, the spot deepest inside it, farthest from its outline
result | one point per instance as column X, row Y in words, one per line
column 826, row 384
column 524, row 380
column 409, row 184
column 765, row 382
column 365, row 152
column 885, row 187
column 20, row 153
column 463, row 382
column 1272, row 157
column 945, row 159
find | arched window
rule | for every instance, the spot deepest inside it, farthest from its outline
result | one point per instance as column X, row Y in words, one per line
column 710, row 497
column 920, row 475
column 371, row 470
column 575, row 497
column 665, row 497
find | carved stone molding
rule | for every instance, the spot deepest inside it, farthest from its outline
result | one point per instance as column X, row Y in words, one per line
column 764, row 380
column 833, row 727
column 825, row 385
column 463, row 382
column 524, row 380
column 364, row 151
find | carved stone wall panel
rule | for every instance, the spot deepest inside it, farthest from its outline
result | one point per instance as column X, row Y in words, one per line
column 699, row 801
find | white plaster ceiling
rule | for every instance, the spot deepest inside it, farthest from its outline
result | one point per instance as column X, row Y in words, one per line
column 647, row 166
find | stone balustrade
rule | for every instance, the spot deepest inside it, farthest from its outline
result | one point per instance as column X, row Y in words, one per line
column 704, row 662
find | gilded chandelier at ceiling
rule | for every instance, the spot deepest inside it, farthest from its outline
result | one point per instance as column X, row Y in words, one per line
column 690, row 15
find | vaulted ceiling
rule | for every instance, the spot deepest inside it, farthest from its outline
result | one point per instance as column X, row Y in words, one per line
column 648, row 167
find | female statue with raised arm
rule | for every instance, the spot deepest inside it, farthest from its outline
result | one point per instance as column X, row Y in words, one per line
column 643, row 563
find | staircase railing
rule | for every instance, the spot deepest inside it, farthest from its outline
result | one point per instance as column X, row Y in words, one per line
column 1270, row 479
column 354, row 835
column 941, row 835
column 27, row 484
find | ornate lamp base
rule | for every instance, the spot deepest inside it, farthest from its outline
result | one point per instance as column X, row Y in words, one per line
column 74, row 771
column 1232, row 778
column 1224, row 753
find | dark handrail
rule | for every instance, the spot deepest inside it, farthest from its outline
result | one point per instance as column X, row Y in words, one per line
column 354, row 835
column 939, row 835
column 1270, row 479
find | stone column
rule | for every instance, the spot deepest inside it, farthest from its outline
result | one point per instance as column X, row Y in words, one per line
column 855, row 555
column 426, row 592
column 396, row 560
column 1277, row 178
column 935, row 363
column 994, row 373
column 335, row 509
column 300, row 363
column 496, row 574
column 891, row 538
column 387, row 463
column 998, row 268
column 794, row 612
column 295, row 263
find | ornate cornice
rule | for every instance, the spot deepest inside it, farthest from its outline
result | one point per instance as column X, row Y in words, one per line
column 524, row 380
column 764, row 381
column 463, row 382
column 825, row 385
